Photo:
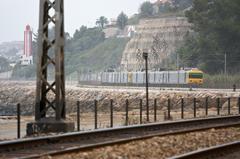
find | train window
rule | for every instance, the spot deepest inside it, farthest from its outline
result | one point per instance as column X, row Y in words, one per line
column 195, row 75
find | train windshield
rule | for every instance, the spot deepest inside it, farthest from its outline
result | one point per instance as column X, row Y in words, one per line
column 195, row 75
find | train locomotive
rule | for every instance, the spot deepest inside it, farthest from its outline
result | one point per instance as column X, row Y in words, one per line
column 193, row 77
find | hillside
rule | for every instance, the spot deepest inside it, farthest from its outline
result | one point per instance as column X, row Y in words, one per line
column 161, row 37
column 90, row 48
column 104, row 55
column 10, row 50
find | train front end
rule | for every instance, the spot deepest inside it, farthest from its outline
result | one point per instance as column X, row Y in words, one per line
column 195, row 77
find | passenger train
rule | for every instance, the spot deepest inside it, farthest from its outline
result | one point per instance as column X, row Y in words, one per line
column 156, row 78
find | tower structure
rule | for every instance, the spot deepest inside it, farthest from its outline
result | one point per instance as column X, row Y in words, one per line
column 27, row 58
column 50, row 108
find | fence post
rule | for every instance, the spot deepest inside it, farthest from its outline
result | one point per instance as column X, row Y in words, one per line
column 78, row 116
column 140, row 111
column 126, row 122
column 95, row 116
column 238, row 105
column 18, row 121
column 206, row 106
column 182, row 108
column 229, row 105
column 169, row 108
column 218, row 106
column 155, row 110
column 111, row 113
column 194, row 107
column 234, row 87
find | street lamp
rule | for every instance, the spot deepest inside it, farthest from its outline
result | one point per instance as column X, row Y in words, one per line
column 145, row 56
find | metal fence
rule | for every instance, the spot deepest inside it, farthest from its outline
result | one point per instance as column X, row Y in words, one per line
column 100, row 114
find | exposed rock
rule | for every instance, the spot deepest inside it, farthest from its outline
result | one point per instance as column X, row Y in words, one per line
column 12, row 93
column 162, row 36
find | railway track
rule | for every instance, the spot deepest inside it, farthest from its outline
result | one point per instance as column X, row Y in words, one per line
column 225, row 151
column 71, row 142
column 163, row 88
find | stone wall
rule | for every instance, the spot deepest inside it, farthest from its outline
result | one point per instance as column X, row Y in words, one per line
column 160, row 37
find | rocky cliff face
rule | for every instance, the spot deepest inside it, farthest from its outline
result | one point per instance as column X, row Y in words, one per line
column 159, row 37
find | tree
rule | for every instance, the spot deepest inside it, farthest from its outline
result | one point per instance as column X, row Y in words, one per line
column 101, row 22
column 146, row 9
column 4, row 64
column 217, row 32
column 181, row 4
column 122, row 20
column 85, row 38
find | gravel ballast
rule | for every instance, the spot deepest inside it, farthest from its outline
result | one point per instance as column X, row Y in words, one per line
column 160, row 147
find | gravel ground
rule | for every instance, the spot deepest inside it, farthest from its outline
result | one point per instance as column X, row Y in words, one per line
column 160, row 147
column 13, row 92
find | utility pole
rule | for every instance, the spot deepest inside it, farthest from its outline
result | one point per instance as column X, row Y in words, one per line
column 145, row 56
column 225, row 64
column 177, row 62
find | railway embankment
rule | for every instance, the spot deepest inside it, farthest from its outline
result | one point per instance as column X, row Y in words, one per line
column 12, row 92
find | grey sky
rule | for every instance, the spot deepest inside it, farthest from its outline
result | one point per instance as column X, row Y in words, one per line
column 15, row 14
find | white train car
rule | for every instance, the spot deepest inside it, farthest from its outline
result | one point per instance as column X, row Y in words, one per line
column 181, row 77
column 163, row 77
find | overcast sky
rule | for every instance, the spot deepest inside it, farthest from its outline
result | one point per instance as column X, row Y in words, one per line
column 15, row 14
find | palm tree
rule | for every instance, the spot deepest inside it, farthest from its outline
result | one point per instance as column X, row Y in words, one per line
column 101, row 22
column 122, row 20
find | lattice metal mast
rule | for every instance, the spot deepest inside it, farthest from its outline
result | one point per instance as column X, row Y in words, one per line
column 44, row 86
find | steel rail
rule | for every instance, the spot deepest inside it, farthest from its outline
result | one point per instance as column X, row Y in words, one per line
column 70, row 142
column 213, row 152
column 154, row 87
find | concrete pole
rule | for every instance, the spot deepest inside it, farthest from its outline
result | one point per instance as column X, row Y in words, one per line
column 145, row 56
column 225, row 64
column 177, row 61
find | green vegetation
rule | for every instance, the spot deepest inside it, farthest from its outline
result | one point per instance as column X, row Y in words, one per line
column 169, row 8
column 134, row 20
column 221, row 81
column 83, row 39
column 4, row 64
column 102, row 56
column 216, row 28
column 146, row 9
column 101, row 22
column 24, row 72
column 122, row 20
column 88, row 49
column 176, row 5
